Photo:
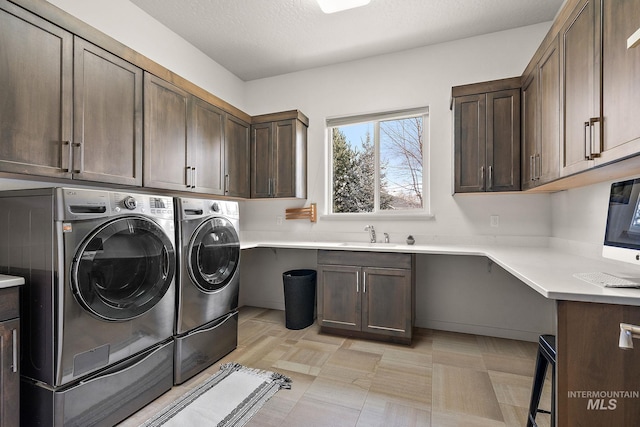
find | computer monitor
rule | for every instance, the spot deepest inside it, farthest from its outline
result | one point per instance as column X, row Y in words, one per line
column 622, row 233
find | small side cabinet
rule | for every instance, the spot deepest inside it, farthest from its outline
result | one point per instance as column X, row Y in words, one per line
column 9, row 356
column 279, row 155
column 487, row 136
column 367, row 294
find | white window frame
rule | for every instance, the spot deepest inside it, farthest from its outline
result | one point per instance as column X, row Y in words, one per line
column 413, row 214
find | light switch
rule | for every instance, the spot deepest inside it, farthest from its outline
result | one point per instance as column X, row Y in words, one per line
column 494, row 220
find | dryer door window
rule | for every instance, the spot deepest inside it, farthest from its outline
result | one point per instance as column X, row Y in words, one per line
column 123, row 269
column 214, row 253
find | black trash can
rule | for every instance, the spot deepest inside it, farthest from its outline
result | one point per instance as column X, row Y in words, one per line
column 299, row 298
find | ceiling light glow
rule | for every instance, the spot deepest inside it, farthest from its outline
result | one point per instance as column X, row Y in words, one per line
column 331, row 6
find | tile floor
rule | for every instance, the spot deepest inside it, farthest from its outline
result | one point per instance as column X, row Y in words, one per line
column 442, row 379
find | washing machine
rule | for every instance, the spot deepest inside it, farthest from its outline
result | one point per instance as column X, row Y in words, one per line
column 208, row 283
column 98, row 305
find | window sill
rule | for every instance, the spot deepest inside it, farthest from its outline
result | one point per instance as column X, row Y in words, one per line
column 378, row 217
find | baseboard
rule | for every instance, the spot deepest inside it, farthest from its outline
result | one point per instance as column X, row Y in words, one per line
column 490, row 331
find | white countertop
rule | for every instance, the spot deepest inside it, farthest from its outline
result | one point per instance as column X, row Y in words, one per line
column 9, row 281
column 547, row 270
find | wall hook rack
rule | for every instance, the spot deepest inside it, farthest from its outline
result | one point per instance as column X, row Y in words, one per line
column 309, row 212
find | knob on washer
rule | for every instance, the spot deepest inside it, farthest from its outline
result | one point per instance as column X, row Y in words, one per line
column 215, row 207
column 130, row 203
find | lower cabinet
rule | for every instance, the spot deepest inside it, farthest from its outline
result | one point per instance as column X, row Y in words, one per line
column 367, row 294
column 9, row 356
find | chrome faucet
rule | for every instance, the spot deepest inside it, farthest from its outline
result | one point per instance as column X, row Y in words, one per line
column 372, row 233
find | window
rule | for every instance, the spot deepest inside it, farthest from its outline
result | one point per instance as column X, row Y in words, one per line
column 377, row 162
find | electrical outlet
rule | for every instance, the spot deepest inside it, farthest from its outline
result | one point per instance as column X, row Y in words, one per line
column 494, row 220
column 278, row 220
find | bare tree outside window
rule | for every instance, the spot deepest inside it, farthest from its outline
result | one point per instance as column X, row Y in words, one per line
column 401, row 152
column 378, row 165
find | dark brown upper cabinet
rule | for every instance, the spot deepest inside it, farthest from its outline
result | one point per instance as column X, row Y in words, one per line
column 107, row 120
column 237, row 158
column 69, row 108
column 541, row 121
column 192, row 144
column 36, row 116
column 487, row 136
column 279, row 155
column 205, row 147
column 620, row 81
column 166, row 120
column 581, row 121
column 601, row 91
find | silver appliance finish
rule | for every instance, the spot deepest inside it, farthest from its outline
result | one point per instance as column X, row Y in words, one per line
column 208, row 283
column 100, row 284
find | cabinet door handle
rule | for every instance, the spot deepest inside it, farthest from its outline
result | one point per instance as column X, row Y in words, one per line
column 195, row 177
column 537, row 166
column 77, row 148
column 587, row 141
column 226, row 184
column 14, row 336
column 531, row 168
column 66, row 159
column 490, row 177
column 482, row 178
column 188, row 176
column 594, row 136
column 364, row 282
column 357, row 283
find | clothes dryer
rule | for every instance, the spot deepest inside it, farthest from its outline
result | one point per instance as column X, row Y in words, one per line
column 98, row 306
column 208, row 283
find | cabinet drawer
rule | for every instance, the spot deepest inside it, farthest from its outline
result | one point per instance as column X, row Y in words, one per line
column 365, row 259
column 9, row 303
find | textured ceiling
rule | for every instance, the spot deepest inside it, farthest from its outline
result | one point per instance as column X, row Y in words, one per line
column 262, row 38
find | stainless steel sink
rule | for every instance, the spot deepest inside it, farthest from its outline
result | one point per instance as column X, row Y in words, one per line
column 369, row 244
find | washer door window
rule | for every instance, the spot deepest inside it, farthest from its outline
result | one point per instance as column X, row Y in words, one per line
column 123, row 269
column 213, row 254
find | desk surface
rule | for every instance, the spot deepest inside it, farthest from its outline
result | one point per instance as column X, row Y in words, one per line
column 547, row 270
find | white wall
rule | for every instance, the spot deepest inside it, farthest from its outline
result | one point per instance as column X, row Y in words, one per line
column 579, row 217
column 454, row 293
column 412, row 78
column 128, row 24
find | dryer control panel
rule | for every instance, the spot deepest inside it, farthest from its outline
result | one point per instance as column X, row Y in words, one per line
column 79, row 204
column 155, row 206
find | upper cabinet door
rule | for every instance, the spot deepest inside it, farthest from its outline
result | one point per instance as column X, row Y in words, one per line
column 107, row 143
column 289, row 143
column 503, row 141
column 237, row 155
column 547, row 164
column 261, row 160
column 620, row 80
column 206, row 148
column 470, row 143
column 530, row 129
column 36, row 60
column 165, row 139
column 581, row 88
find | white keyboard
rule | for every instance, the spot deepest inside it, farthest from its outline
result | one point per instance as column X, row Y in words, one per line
column 607, row 280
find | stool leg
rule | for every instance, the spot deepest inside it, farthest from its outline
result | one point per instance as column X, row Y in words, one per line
column 536, row 391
